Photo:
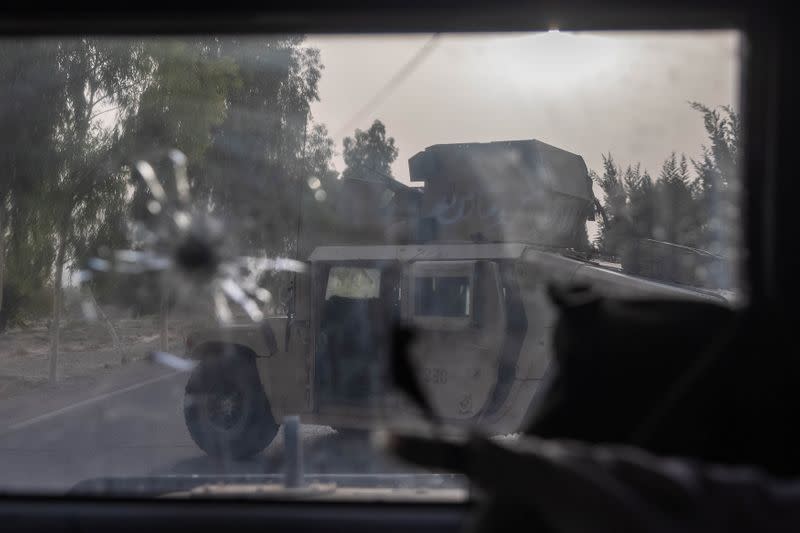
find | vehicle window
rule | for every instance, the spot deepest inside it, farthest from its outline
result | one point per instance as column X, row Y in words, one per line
column 209, row 243
column 442, row 296
column 351, row 282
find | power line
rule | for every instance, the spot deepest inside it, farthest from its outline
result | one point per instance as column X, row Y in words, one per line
column 402, row 73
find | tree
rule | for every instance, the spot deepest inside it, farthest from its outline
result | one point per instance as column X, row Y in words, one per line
column 369, row 154
column 636, row 207
column 255, row 163
column 723, row 126
column 614, row 227
column 88, row 189
column 675, row 209
column 640, row 193
column 185, row 99
column 30, row 109
column 716, row 169
column 319, row 219
column 239, row 108
column 319, row 154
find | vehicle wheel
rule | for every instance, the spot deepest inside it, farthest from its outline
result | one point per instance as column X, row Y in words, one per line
column 226, row 410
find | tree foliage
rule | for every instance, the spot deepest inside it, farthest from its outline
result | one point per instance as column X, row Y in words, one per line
column 677, row 207
column 256, row 159
column 613, row 226
column 65, row 186
column 81, row 110
column 30, row 109
column 369, row 154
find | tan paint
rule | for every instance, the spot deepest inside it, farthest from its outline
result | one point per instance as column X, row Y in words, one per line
column 459, row 361
column 468, row 354
column 282, row 372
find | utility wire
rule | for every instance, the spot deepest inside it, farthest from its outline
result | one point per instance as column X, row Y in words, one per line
column 406, row 70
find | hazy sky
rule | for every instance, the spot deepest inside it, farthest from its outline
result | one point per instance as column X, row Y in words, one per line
column 587, row 93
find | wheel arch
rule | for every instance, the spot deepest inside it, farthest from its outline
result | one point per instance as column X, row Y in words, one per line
column 224, row 350
column 234, row 364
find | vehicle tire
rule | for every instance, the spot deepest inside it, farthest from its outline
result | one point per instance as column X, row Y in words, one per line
column 225, row 408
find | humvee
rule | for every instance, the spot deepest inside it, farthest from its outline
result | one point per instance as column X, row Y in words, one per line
column 470, row 276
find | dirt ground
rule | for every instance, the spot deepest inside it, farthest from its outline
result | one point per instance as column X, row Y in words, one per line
column 86, row 350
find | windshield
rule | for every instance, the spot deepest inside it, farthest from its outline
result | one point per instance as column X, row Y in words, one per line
column 208, row 244
column 353, row 282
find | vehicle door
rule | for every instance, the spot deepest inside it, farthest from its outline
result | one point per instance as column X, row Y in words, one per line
column 357, row 304
column 457, row 310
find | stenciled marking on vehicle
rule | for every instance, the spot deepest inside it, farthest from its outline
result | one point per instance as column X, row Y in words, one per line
column 436, row 376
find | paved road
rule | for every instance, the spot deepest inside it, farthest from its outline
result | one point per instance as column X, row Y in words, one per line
column 130, row 423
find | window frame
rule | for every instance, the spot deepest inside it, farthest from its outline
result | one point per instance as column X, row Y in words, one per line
column 769, row 190
column 442, row 269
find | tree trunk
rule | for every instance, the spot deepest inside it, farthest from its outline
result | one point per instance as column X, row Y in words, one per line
column 5, row 202
column 55, row 323
column 123, row 358
column 2, row 249
column 162, row 316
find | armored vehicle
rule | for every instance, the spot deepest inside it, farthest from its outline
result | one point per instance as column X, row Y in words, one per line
column 465, row 259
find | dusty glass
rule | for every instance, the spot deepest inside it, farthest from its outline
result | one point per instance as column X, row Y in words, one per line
column 202, row 239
